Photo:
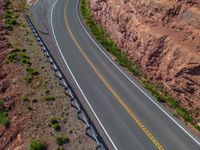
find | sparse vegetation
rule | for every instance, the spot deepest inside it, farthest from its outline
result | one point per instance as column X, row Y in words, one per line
column 155, row 92
column 169, row 100
column 47, row 91
column 184, row 114
column 31, row 71
column 34, row 100
column 55, row 124
column 61, row 140
column 4, row 119
column 37, row 145
column 18, row 55
column 53, row 120
column 197, row 127
column 29, row 107
column 50, row 98
column 1, row 102
column 25, row 98
column 60, row 148
column 10, row 19
column 28, row 79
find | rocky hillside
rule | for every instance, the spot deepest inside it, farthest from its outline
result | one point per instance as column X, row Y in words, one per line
column 163, row 36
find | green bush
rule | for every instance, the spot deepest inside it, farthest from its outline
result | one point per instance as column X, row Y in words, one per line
column 56, row 126
column 183, row 113
column 8, row 14
column 28, row 78
column 25, row 98
column 36, row 145
column 25, row 61
column 34, row 100
column 12, row 57
column 23, row 55
column 60, row 140
column 197, row 127
column 10, row 20
column 4, row 119
column 50, row 98
column 31, row 71
column 154, row 91
column 53, row 120
column 28, row 107
column 1, row 102
column 172, row 102
column 18, row 55
column 47, row 91
column 59, row 148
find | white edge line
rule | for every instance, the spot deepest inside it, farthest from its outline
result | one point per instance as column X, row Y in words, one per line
column 77, row 82
column 131, row 79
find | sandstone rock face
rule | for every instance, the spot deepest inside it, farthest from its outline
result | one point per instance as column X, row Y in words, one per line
column 163, row 36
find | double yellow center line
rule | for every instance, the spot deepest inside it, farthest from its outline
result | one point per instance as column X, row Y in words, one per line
column 117, row 97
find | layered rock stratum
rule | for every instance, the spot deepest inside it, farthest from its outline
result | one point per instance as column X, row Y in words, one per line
column 163, row 36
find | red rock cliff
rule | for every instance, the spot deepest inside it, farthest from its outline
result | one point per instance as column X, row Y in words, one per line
column 161, row 35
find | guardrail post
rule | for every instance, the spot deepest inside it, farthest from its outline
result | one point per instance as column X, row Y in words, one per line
column 80, row 116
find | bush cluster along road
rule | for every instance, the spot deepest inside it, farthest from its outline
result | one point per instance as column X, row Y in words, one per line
column 130, row 118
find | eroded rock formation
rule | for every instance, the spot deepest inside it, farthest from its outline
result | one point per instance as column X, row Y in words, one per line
column 163, row 36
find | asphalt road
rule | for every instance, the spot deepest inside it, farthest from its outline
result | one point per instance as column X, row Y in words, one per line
column 130, row 118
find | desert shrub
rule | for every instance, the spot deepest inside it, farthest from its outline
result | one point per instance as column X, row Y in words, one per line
column 47, row 91
column 29, row 107
column 59, row 148
column 1, row 102
column 56, row 126
column 37, row 145
column 31, row 71
column 25, row 98
column 18, row 55
column 10, row 19
column 183, row 113
column 50, row 98
column 60, row 140
column 171, row 102
column 34, row 100
column 154, row 91
column 53, row 120
column 4, row 119
column 197, row 127
column 28, row 78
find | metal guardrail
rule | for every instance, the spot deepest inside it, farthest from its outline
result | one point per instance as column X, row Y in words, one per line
column 91, row 131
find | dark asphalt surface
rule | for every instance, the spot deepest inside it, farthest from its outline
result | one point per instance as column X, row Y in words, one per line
column 122, row 129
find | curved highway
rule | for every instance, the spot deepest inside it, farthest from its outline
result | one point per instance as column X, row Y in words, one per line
column 130, row 118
